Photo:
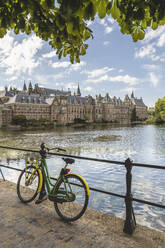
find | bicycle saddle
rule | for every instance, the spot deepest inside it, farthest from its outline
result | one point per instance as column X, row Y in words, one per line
column 68, row 160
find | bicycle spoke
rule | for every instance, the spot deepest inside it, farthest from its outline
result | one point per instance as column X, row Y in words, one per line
column 27, row 185
column 71, row 211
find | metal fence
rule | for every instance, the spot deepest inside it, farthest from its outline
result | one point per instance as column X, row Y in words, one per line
column 130, row 221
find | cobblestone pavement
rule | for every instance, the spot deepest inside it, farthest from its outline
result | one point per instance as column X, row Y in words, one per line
column 38, row 226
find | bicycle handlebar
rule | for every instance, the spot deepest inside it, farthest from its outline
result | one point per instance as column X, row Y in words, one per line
column 43, row 147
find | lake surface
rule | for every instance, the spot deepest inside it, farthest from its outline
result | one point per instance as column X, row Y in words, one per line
column 142, row 144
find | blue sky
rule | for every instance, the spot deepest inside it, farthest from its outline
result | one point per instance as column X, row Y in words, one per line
column 113, row 63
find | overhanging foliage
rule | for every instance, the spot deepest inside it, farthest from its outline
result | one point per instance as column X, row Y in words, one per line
column 63, row 22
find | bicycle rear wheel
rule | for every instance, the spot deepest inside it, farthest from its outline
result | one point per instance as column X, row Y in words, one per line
column 28, row 184
column 73, row 210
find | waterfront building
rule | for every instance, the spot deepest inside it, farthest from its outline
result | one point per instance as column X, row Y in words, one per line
column 61, row 107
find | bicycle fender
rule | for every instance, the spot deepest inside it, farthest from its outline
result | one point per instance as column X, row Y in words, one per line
column 41, row 181
column 86, row 185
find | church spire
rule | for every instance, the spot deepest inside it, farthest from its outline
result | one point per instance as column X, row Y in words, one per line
column 132, row 95
column 30, row 88
column 24, row 87
column 78, row 91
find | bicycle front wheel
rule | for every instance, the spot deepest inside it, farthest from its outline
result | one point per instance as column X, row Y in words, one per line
column 28, row 184
column 72, row 210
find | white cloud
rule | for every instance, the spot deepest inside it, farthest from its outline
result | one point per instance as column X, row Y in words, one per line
column 102, row 21
column 110, row 19
column 108, row 30
column 106, row 43
column 19, row 57
column 105, row 22
column 154, row 40
column 153, row 34
column 89, row 89
column 151, row 67
column 60, row 64
column 49, row 55
column 12, row 78
column 128, row 90
column 123, row 79
column 98, row 80
column 68, row 66
column 147, row 51
column 47, row 78
column 9, row 43
column 161, row 40
column 71, row 86
column 89, row 23
column 77, row 66
column 98, row 72
column 154, row 79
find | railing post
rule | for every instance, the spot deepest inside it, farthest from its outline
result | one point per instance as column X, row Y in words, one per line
column 130, row 222
column 2, row 175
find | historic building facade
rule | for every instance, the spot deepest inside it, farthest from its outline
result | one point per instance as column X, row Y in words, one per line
column 5, row 115
column 61, row 107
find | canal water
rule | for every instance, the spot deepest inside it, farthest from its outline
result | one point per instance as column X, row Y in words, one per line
column 141, row 143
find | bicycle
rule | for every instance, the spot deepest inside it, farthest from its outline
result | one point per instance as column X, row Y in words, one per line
column 70, row 193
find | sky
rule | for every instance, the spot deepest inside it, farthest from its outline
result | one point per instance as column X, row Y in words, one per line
column 113, row 63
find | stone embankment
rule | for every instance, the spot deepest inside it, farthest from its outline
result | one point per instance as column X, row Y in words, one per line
column 38, row 226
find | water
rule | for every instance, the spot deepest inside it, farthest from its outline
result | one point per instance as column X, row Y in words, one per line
column 142, row 144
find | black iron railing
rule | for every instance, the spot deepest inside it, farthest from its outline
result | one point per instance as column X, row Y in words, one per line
column 130, row 221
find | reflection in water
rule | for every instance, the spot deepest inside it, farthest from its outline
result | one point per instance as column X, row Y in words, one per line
column 145, row 144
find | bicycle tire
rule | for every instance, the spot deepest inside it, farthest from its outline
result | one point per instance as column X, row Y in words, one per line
column 72, row 211
column 27, row 193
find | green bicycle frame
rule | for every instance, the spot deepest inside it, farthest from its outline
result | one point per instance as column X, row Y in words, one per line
column 49, row 185
column 46, row 176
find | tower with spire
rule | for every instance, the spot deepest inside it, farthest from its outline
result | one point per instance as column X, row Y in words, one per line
column 78, row 91
column 132, row 95
column 30, row 88
column 24, row 87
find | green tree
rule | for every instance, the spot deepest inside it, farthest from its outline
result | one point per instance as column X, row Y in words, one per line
column 19, row 120
column 63, row 22
column 78, row 121
column 160, row 110
column 151, row 112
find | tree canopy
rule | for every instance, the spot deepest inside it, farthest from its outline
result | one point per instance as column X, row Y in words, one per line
column 63, row 23
column 160, row 110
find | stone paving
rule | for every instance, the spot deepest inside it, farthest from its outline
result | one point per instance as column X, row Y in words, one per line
column 38, row 226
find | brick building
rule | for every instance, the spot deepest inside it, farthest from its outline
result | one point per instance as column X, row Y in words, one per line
column 5, row 115
column 61, row 107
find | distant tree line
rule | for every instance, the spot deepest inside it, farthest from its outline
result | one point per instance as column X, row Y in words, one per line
column 22, row 121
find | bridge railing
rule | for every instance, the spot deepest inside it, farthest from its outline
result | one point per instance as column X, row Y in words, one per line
column 130, row 221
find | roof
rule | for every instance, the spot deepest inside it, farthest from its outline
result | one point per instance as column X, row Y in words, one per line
column 114, row 100
column 77, row 100
column 138, row 102
column 6, row 93
column 54, row 92
column 25, row 98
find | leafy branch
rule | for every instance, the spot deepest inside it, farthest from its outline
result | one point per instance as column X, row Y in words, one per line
column 63, row 22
